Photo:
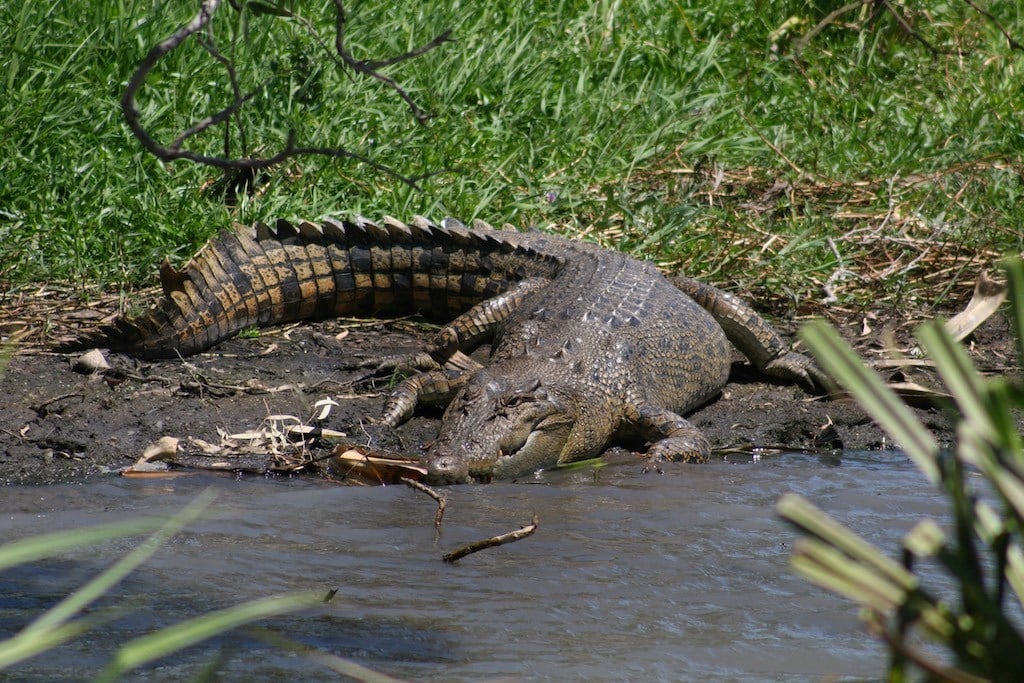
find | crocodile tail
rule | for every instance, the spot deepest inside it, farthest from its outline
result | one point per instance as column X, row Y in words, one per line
column 210, row 299
column 255, row 276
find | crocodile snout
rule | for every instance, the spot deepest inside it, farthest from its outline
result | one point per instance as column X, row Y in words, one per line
column 444, row 467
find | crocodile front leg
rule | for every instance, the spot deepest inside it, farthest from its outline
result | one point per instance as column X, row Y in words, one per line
column 672, row 436
column 755, row 338
column 479, row 323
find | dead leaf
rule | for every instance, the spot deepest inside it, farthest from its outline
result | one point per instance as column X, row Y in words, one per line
column 164, row 447
column 151, row 463
column 323, row 408
column 913, row 392
column 988, row 295
column 91, row 361
column 205, row 446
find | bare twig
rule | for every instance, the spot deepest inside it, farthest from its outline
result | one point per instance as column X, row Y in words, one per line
column 372, row 68
column 442, row 500
column 238, row 99
column 879, row 7
column 1014, row 45
column 905, row 25
column 39, row 407
column 493, row 541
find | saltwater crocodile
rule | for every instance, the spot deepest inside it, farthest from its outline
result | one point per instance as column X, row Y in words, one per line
column 589, row 346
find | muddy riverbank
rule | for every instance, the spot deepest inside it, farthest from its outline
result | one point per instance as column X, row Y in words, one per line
column 59, row 424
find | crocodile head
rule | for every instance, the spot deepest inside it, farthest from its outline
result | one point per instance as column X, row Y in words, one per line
column 500, row 427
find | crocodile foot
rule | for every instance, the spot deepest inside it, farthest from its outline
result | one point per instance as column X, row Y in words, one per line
column 799, row 369
column 400, row 363
column 685, row 445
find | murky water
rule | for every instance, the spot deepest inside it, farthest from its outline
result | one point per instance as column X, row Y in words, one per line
column 681, row 576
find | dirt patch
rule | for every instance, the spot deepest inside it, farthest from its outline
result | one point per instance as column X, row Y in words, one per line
column 60, row 425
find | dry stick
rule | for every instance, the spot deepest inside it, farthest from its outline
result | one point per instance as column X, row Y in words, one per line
column 905, row 25
column 765, row 449
column 197, row 24
column 775, row 149
column 799, row 45
column 40, row 406
column 442, row 500
column 236, row 90
column 493, row 541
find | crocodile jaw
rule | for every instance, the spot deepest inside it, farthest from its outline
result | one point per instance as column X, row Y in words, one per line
column 500, row 430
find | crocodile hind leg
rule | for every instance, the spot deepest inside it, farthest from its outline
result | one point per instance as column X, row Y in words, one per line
column 672, row 436
column 464, row 333
column 755, row 338
column 427, row 388
column 448, row 367
column 479, row 323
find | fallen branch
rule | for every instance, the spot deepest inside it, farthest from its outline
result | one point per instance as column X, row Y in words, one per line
column 878, row 7
column 829, row 19
column 493, row 541
column 199, row 23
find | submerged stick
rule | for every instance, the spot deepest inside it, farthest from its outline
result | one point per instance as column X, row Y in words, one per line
column 491, row 542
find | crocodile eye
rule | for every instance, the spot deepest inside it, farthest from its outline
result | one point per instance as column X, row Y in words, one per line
column 516, row 399
column 530, row 386
column 527, row 392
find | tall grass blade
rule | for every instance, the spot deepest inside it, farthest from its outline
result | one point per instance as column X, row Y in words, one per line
column 53, row 628
column 821, row 563
column 981, row 553
column 960, row 377
column 48, row 545
column 149, row 648
column 815, row 522
column 1015, row 285
column 20, row 648
column 96, row 588
column 345, row 667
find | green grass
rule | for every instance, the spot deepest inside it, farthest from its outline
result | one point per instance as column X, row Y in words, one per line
column 658, row 128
